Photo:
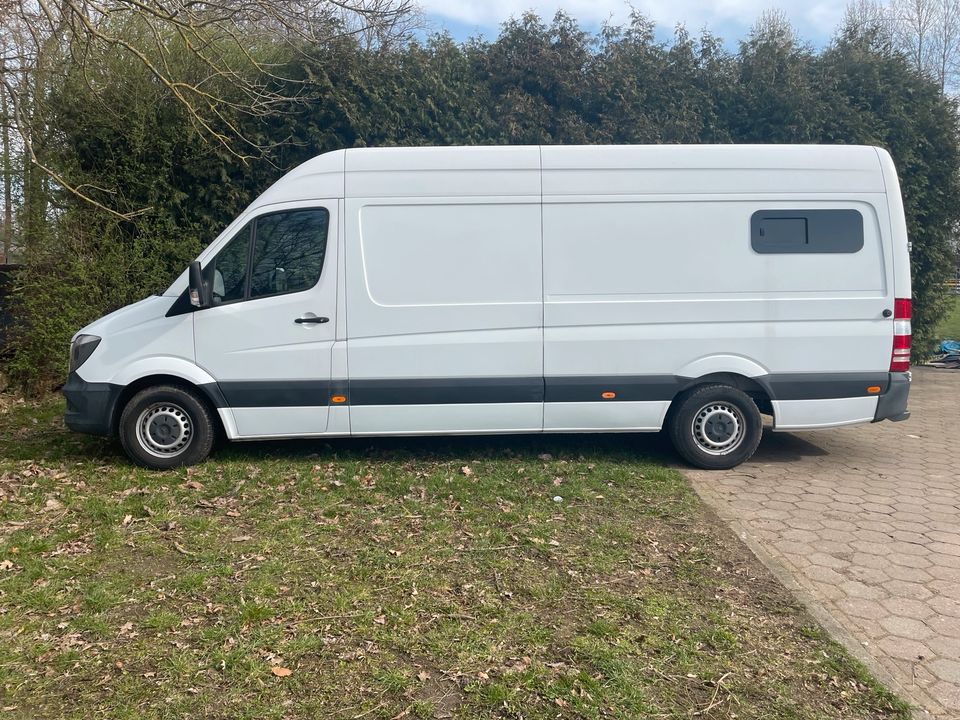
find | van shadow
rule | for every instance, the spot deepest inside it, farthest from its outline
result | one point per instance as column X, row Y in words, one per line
column 650, row 447
column 781, row 447
column 632, row 447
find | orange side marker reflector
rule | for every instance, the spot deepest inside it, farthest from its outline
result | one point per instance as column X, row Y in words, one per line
column 873, row 389
column 608, row 395
column 337, row 399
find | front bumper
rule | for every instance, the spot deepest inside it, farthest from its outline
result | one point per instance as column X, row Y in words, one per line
column 90, row 406
column 892, row 405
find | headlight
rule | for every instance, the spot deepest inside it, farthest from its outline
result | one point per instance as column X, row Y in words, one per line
column 81, row 349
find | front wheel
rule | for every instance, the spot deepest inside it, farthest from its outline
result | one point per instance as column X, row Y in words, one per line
column 715, row 427
column 165, row 427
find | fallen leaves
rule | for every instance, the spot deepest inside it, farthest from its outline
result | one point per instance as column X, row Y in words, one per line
column 33, row 470
column 74, row 547
column 280, row 671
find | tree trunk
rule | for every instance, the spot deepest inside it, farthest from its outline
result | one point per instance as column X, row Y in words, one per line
column 7, row 178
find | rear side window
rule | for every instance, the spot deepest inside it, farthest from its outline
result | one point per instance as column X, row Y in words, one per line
column 806, row 231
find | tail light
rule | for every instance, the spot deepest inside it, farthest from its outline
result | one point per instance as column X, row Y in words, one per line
column 900, row 356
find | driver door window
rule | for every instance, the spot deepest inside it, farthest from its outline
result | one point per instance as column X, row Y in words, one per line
column 229, row 268
column 285, row 251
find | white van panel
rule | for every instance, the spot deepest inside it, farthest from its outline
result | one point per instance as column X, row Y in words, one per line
column 667, row 348
column 264, row 422
column 669, row 285
column 435, row 235
column 897, row 228
column 443, row 172
column 440, row 288
column 644, row 247
column 450, row 254
column 809, row 414
column 140, row 340
column 698, row 169
column 163, row 365
column 319, row 177
column 339, row 421
column 435, row 355
column 591, row 416
column 229, row 423
column 447, row 418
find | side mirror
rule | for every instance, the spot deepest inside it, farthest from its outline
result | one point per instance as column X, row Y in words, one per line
column 198, row 295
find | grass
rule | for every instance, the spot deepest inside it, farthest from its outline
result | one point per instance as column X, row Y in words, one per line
column 949, row 328
column 472, row 578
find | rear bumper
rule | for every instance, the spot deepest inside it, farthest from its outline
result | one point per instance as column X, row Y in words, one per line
column 892, row 405
column 90, row 405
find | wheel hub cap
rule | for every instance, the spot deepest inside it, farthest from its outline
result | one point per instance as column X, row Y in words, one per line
column 164, row 430
column 718, row 428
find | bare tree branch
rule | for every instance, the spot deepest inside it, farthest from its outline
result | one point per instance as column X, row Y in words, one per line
column 219, row 60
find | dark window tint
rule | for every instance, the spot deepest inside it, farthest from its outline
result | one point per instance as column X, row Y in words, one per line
column 806, row 231
column 288, row 252
column 229, row 268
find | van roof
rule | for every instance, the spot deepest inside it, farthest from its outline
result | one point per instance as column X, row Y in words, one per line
column 582, row 169
column 608, row 156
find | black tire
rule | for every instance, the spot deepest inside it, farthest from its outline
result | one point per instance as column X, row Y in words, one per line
column 715, row 427
column 175, row 428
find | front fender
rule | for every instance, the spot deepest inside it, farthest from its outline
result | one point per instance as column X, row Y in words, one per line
column 162, row 365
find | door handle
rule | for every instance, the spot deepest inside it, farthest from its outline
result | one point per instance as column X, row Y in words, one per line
column 314, row 320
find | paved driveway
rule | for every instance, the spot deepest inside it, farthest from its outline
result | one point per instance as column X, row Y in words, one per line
column 864, row 523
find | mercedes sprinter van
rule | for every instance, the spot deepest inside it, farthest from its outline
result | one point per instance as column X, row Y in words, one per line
column 467, row 290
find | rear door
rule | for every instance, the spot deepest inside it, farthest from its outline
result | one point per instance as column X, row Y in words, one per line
column 269, row 336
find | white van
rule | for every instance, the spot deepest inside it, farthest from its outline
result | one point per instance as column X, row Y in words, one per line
column 464, row 290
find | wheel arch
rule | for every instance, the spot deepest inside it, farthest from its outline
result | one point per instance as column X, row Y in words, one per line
column 208, row 393
column 755, row 387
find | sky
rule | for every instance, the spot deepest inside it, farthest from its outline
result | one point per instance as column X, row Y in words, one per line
column 815, row 20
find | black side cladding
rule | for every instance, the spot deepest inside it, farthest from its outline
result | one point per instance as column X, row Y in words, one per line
column 892, row 405
column 92, row 407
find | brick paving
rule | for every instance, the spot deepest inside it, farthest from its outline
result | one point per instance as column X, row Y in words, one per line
column 864, row 524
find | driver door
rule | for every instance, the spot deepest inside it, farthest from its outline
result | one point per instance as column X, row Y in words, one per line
column 269, row 335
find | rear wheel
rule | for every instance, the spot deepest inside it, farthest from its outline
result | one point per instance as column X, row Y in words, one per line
column 715, row 427
column 165, row 427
